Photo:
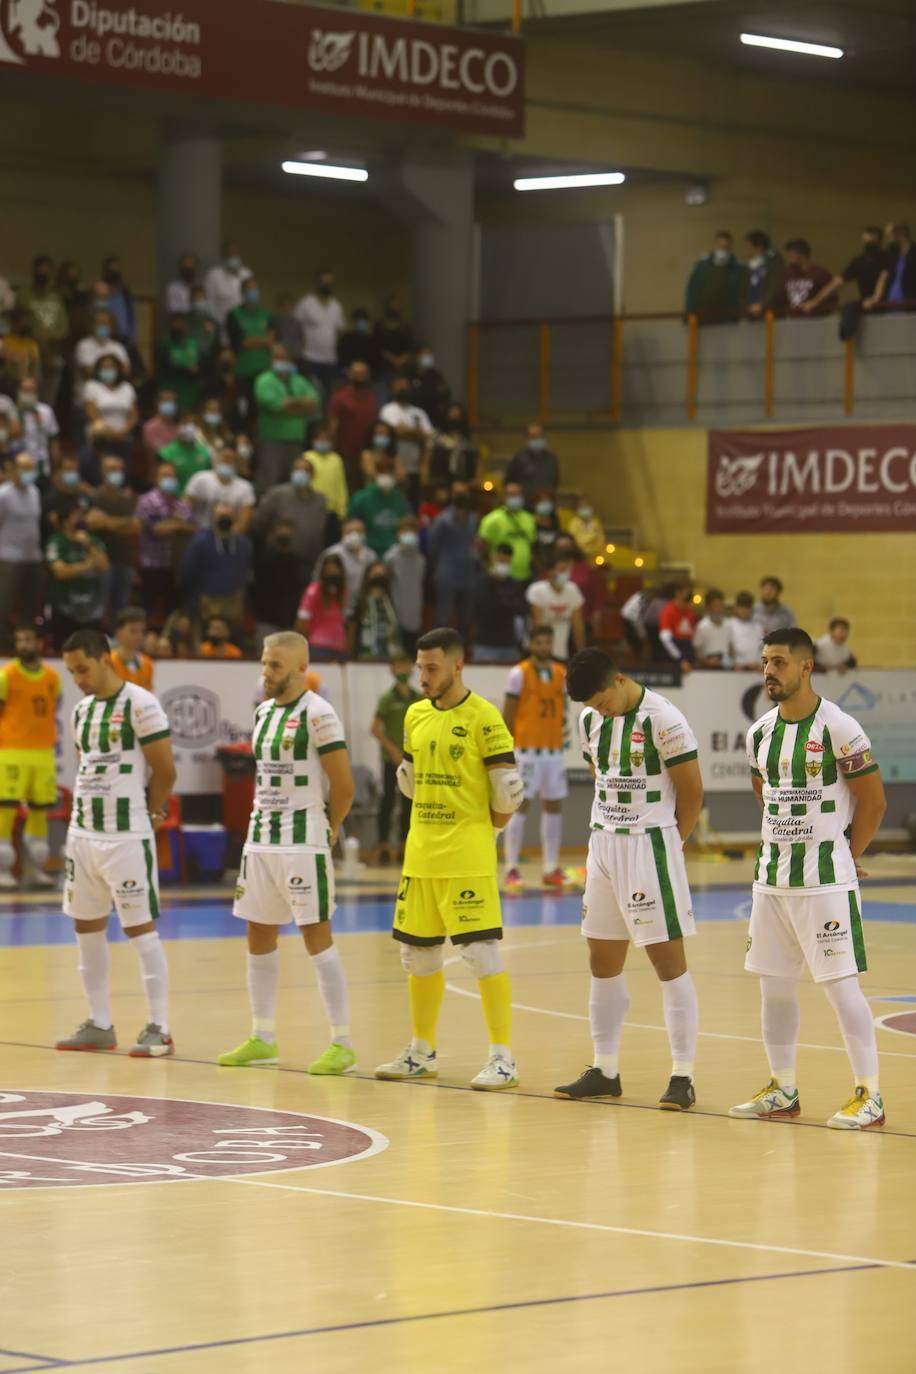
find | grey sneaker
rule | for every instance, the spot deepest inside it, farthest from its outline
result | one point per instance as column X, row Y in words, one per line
column 152, row 1043
column 90, row 1037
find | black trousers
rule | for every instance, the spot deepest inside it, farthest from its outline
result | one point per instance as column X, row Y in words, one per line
column 390, row 793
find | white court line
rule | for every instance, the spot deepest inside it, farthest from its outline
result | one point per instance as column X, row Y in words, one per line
column 576, row 1225
column 642, row 1025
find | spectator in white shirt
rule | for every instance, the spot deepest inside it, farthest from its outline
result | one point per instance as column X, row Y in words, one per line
column 111, row 404
column 745, row 637
column 832, row 651
column 21, row 562
column 178, row 292
column 711, row 637
column 90, row 349
column 39, row 429
column 557, row 601
column 415, row 433
column 322, row 318
column 221, row 486
column 633, row 613
column 224, row 284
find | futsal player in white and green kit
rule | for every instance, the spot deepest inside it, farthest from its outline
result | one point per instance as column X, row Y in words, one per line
column 822, row 798
column 287, row 873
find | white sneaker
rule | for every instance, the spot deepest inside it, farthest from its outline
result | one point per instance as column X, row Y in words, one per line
column 771, row 1103
column 410, row 1064
column 496, row 1074
column 861, row 1112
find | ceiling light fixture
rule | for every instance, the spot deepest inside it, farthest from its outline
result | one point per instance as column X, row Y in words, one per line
column 321, row 169
column 564, row 183
column 759, row 40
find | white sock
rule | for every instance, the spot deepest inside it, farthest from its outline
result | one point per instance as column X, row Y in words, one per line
column 682, row 1018
column 95, row 971
column 855, row 1018
column 38, row 851
column 421, row 1047
column 551, row 836
column 154, row 971
column 781, row 1019
column 263, row 983
column 608, row 1004
column 501, row 1052
column 513, row 836
column 332, row 985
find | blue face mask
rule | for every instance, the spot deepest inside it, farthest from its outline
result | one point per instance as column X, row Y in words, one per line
column 232, row 263
column 169, row 485
column 102, row 331
column 252, row 297
column 283, row 367
column 537, row 444
column 115, row 478
column 409, row 539
column 226, row 471
column 108, row 375
column 167, row 408
column 321, row 446
column 100, row 303
column 380, row 441
column 300, row 478
column 514, row 502
column 361, row 326
column 543, row 508
column 28, row 476
column 213, row 418
column 69, row 478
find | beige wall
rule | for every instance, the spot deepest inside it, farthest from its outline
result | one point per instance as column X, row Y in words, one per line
column 655, row 481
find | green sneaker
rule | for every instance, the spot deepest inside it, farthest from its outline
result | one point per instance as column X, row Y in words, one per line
column 335, row 1060
column 251, row 1052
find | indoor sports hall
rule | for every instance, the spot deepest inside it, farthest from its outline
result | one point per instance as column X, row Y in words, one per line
column 457, row 686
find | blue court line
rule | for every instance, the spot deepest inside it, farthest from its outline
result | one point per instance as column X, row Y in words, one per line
column 374, row 1323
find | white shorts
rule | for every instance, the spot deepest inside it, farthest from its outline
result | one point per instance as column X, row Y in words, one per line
column 636, row 888
column 820, row 929
column 280, row 885
column 102, row 873
column 543, row 774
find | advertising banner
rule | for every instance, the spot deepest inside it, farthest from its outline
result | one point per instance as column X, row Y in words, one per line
column 833, row 479
column 342, row 61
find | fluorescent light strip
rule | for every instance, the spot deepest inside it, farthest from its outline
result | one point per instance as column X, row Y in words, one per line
column 321, row 169
column 759, row 40
column 562, row 183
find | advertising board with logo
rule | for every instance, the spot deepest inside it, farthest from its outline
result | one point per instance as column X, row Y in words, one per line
column 819, row 480
column 340, row 61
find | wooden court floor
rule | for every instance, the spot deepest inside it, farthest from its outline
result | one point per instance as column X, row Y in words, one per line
column 153, row 1223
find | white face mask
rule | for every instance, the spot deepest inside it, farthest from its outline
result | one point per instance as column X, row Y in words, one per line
column 560, row 579
column 585, row 512
column 384, row 481
column 721, row 256
column 353, row 541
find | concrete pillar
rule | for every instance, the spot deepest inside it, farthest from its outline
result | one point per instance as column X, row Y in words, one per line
column 190, row 201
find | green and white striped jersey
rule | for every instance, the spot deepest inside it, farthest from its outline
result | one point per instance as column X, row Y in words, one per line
column 287, row 742
column 109, row 797
column 807, row 804
column 631, row 755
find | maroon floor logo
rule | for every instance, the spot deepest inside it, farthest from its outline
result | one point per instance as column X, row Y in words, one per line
column 66, row 1139
column 903, row 1022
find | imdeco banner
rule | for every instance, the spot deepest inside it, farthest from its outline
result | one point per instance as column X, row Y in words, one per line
column 342, row 61
column 835, row 479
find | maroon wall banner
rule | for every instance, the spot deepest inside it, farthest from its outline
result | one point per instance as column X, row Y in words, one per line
column 836, row 479
column 341, row 61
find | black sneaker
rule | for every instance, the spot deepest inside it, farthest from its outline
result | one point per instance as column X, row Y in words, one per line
column 679, row 1095
column 591, row 1083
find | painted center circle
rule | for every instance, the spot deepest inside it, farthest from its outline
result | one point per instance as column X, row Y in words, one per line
column 67, row 1139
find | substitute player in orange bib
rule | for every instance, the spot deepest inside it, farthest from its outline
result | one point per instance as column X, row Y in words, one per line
column 29, row 691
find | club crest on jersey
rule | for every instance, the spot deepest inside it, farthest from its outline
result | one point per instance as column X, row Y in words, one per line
column 455, row 751
column 784, row 767
column 813, row 762
column 812, row 767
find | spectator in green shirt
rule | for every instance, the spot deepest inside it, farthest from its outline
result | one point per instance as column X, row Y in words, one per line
column 511, row 524
column 286, row 403
column 186, row 452
column 381, row 507
column 178, row 363
column 388, row 729
column 78, row 567
column 250, row 335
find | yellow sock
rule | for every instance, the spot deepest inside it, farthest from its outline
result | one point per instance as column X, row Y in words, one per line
column 426, row 996
column 36, row 824
column 496, row 996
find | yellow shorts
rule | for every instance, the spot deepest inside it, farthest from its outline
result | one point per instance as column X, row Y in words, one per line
column 28, row 775
column 429, row 909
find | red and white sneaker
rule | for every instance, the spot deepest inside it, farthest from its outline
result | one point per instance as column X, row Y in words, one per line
column 152, row 1043
column 513, row 882
column 555, row 880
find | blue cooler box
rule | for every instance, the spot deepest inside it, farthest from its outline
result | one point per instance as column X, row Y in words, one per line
column 205, row 852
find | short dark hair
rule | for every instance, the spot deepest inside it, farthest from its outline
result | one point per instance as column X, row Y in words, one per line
column 129, row 616
column 758, row 238
column 744, row 599
column 541, row 630
column 505, row 548
column 444, row 638
column 799, row 246
column 714, row 595
column 589, row 671
column 775, row 581
column 93, row 643
column 28, row 628
column 838, row 620
column 874, row 229
column 724, row 234
column 798, row 641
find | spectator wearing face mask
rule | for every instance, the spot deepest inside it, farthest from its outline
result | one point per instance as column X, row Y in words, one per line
column 373, row 629
column 215, row 570
column 250, row 335
column 354, row 554
column 711, row 638
column 328, row 475
column 352, row 413
column 217, row 641
column 406, row 567
column 212, row 430
column 677, row 626
column 535, row 467
column 21, row 564
column 166, row 522
column 91, row 348
column 805, row 280
column 221, row 485
column 38, row 428
column 511, row 524
column 224, row 284
column 868, row 270
column 766, row 275
column 428, row 388
column 178, row 363
column 546, row 531
column 414, row 433
column 204, row 332
column 296, row 503
column 321, row 616
column 555, row 600
column 65, row 484
column 186, row 452
column 592, row 581
column 358, row 344
column 394, row 340
column 586, row 529
column 286, row 403
column 50, row 322
column 717, row 286
column 383, row 443
column 178, row 291
column 112, row 518
column 279, row 579
column 161, row 428
column 499, row 606
column 452, row 547
column 77, row 568
column 120, row 301
column 110, row 403
column 323, row 320
column 454, row 456
column 381, row 506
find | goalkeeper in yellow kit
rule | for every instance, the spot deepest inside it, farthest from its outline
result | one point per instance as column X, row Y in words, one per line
column 459, row 771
